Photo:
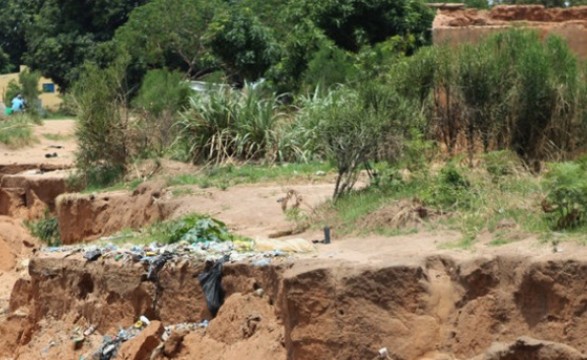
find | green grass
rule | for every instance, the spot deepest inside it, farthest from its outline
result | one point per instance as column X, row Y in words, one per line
column 56, row 115
column 123, row 185
column 191, row 228
column 480, row 204
column 46, row 229
column 16, row 131
column 223, row 177
column 57, row 137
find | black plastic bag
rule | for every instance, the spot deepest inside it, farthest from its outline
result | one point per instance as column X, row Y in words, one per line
column 157, row 264
column 211, row 282
column 93, row 255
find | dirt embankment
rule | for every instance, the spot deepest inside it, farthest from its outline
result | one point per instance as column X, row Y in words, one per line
column 456, row 26
column 86, row 217
column 438, row 309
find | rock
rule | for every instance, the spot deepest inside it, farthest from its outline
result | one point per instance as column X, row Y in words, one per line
column 527, row 348
column 142, row 346
column 173, row 344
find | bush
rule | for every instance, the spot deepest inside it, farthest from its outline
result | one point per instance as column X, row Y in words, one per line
column 565, row 204
column 102, row 128
column 46, row 229
column 162, row 96
column 451, row 191
column 351, row 130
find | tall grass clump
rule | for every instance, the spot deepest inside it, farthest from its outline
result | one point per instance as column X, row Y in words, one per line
column 102, row 127
column 16, row 131
column 223, row 125
column 512, row 91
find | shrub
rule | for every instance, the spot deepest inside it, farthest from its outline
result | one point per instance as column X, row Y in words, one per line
column 46, row 229
column 351, row 131
column 451, row 191
column 565, row 204
column 102, row 127
column 502, row 163
column 162, row 96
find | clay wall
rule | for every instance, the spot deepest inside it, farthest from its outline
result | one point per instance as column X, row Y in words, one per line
column 456, row 26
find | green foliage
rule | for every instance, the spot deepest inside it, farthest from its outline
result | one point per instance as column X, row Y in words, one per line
column 351, row 132
column 354, row 23
column 29, row 84
column 46, row 229
column 565, row 204
column 225, row 124
column 16, row 131
column 170, row 33
column 501, row 163
column 192, row 228
column 12, row 90
column 162, row 96
column 66, row 33
column 329, row 66
column 102, row 128
column 17, row 17
column 244, row 46
column 231, row 175
column 512, row 91
column 451, row 191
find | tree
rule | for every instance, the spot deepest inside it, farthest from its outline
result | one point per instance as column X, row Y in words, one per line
column 170, row 33
column 245, row 47
column 66, row 33
column 17, row 16
column 354, row 23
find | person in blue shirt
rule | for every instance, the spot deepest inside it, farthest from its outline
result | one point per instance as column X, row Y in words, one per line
column 18, row 104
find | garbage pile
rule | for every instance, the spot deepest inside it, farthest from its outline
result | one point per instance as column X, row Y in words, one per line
column 156, row 255
column 110, row 345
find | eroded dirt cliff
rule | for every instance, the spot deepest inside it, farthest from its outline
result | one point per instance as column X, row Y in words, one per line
column 439, row 308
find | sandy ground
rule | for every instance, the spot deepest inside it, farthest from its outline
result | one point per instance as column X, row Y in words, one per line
column 255, row 211
column 64, row 147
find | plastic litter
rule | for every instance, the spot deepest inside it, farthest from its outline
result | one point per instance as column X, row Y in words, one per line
column 93, row 255
column 211, row 283
column 145, row 320
column 157, row 264
column 89, row 331
column 262, row 262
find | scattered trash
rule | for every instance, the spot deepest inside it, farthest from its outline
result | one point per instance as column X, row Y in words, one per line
column 145, row 320
column 211, row 282
column 89, row 331
column 262, row 262
column 320, row 173
column 383, row 354
column 93, row 255
column 259, row 292
column 48, row 156
column 156, row 264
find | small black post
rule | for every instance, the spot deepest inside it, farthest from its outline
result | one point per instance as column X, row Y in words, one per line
column 327, row 234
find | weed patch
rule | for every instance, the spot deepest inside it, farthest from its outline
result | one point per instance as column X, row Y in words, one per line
column 46, row 229
column 17, row 131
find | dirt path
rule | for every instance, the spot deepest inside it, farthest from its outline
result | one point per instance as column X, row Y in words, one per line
column 53, row 137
